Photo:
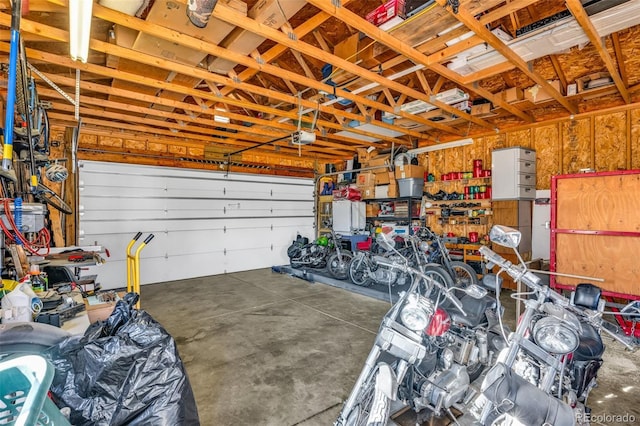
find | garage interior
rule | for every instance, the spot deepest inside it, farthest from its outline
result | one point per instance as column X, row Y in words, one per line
column 199, row 149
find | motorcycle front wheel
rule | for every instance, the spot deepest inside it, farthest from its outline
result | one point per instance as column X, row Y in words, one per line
column 358, row 271
column 436, row 273
column 463, row 275
column 339, row 266
column 370, row 408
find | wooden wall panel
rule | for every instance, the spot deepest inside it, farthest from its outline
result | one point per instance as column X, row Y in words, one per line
column 520, row 138
column 546, row 142
column 576, row 145
column 610, row 141
column 455, row 161
column 635, row 139
column 590, row 255
column 133, row 144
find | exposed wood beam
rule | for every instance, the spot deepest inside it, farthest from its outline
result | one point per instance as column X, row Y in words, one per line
column 615, row 39
column 473, row 24
column 558, row 69
column 321, row 41
column 439, row 82
column 303, row 64
column 165, row 33
column 389, row 97
column 583, row 19
column 488, row 72
column 507, row 9
column 423, row 82
column 168, row 86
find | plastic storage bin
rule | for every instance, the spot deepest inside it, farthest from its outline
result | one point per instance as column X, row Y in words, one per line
column 412, row 187
column 24, row 384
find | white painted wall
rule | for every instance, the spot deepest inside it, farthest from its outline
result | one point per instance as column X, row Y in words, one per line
column 204, row 222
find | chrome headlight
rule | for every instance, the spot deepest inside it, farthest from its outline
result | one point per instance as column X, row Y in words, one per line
column 416, row 312
column 424, row 246
column 555, row 336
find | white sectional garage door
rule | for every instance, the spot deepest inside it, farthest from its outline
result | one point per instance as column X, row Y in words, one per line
column 204, row 222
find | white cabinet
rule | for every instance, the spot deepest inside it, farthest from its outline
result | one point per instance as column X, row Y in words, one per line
column 349, row 217
column 514, row 174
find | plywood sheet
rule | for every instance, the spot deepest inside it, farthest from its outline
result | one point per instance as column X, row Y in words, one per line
column 610, row 141
column 576, row 145
column 546, row 142
column 133, row 144
column 635, row 139
column 520, row 138
column 110, row 141
column 601, row 256
column 602, row 203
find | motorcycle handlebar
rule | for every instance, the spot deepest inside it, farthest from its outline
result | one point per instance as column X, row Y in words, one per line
column 408, row 269
column 517, row 272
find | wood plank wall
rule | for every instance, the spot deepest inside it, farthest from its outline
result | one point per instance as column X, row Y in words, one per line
column 610, row 141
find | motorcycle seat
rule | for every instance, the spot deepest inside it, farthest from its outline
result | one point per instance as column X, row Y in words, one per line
column 475, row 309
column 591, row 346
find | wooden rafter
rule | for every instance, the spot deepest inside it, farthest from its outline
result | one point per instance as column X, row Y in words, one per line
column 558, row 69
column 474, row 25
column 583, row 19
column 615, row 39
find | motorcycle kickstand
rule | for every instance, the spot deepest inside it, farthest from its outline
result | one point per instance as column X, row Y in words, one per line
column 451, row 416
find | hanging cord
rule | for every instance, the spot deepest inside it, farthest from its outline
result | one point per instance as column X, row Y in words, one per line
column 42, row 241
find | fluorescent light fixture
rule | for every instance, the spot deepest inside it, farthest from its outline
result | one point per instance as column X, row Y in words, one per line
column 438, row 147
column 80, row 13
column 221, row 118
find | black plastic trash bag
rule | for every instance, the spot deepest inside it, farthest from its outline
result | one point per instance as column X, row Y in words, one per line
column 125, row 370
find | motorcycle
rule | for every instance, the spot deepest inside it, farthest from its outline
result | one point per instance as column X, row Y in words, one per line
column 368, row 267
column 551, row 363
column 326, row 251
column 461, row 274
column 423, row 356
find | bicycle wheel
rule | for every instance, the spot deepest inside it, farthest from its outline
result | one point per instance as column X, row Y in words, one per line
column 463, row 275
column 46, row 195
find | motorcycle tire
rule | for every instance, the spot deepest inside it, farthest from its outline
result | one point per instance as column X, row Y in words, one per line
column 339, row 268
column 439, row 274
column 358, row 269
column 464, row 275
column 366, row 402
column 295, row 265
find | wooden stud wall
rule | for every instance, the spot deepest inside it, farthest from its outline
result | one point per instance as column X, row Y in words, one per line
column 609, row 141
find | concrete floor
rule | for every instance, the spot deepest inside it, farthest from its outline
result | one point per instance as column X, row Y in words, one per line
column 263, row 348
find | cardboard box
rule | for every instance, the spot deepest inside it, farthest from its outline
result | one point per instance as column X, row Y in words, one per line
column 385, row 12
column 582, row 82
column 381, row 191
column 481, row 109
column 379, row 160
column 272, row 13
column 368, row 192
column 392, row 191
column 365, row 154
column 512, row 94
column 365, row 179
column 99, row 311
column 538, row 94
column 408, row 171
column 372, row 209
column 382, row 177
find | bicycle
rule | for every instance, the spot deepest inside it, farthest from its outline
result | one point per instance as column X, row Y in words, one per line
column 28, row 144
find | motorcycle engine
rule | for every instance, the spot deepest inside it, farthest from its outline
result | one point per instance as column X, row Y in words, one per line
column 384, row 275
column 443, row 389
column 317, row 254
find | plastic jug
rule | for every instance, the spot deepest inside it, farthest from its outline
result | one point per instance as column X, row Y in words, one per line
column 20, row 304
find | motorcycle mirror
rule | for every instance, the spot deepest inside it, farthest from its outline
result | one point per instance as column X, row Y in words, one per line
column 475, row 291
column 505, row 236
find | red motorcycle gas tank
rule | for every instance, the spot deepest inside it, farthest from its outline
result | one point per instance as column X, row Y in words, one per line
column 440, row 323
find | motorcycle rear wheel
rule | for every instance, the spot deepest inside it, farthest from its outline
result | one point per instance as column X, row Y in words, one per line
column 463, row 274
column 337, row 267
column 358, row 271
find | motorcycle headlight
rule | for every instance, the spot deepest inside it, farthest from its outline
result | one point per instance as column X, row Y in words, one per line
column 555, row 336
column 416, row 312
column 424, row 246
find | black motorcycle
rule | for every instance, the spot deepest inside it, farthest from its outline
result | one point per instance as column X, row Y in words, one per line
column 324, row 252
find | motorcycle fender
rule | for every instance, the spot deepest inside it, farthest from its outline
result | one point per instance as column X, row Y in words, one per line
column 386, row 381
column 400, row 346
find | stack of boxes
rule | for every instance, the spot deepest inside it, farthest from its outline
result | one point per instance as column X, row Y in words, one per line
column 378, row 183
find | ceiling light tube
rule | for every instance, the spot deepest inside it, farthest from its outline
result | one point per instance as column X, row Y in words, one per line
column 438, row 147
column 80, row 13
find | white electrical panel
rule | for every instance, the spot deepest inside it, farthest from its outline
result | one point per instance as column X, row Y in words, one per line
column 513, row 172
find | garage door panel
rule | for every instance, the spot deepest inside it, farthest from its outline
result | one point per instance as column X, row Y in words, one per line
column 204, row 222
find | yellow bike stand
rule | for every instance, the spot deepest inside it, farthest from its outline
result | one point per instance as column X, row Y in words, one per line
column 133, row 264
